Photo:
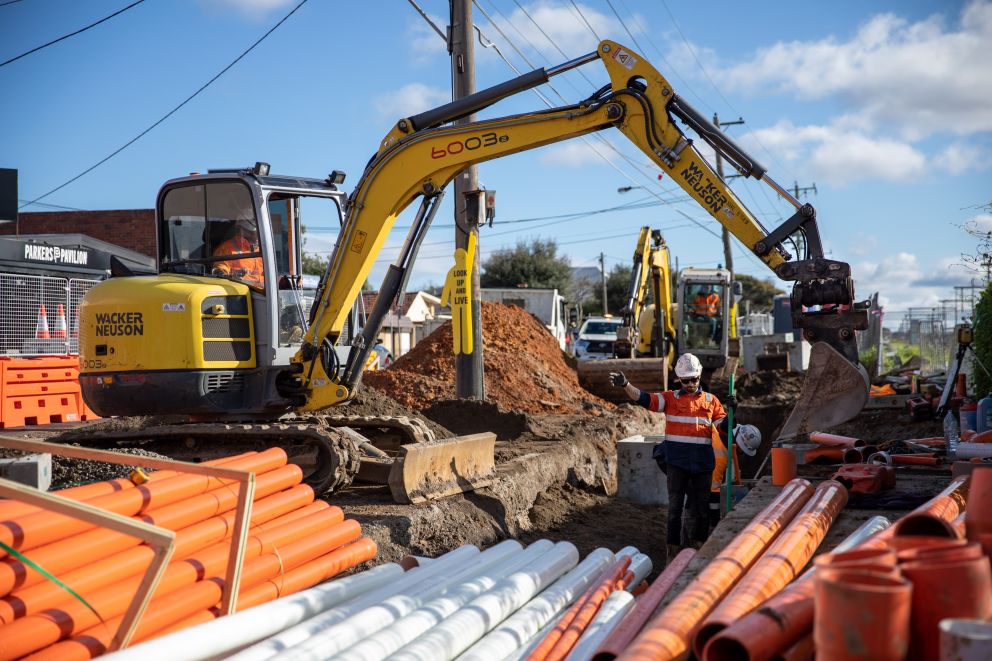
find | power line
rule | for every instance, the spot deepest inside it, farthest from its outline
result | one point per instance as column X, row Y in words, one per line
column 71, row 34
column 171, row 112
column 53, row 206
column 428, row 19
column 10, row 2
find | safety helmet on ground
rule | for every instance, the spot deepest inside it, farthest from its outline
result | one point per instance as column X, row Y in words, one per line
column 688, row 366
column 748, row 439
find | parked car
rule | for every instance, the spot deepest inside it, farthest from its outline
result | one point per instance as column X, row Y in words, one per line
column 596, row 338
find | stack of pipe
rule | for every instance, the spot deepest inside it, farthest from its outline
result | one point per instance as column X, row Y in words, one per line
column 467, row 603
column 293, row 543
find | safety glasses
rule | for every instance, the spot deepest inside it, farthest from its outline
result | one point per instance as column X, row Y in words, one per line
column 689, row 380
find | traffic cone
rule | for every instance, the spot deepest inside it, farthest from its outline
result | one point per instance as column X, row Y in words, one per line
column 41, row 330
column 60, row 325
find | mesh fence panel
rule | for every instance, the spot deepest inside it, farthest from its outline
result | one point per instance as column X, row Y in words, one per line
column 37, row 313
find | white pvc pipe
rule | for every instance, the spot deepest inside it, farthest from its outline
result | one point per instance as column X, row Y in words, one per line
column 224, row 635
column 525, row 650
column 640, row 564
column 965, row 640
column 612, row 611
column 974, row 450
column 389, row 639
column 297, row 634
column 540, row 612
column 344, row 634
column 458, row 632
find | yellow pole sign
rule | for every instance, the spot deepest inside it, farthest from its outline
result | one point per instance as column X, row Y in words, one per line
column 458, row 294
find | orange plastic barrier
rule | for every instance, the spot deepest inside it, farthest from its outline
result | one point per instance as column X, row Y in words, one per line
column 668, row 635
column 34, row 530
column 40, row 391
column 780, row 564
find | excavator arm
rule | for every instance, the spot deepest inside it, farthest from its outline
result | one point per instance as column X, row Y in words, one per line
column 650, row 266
column 423, row 153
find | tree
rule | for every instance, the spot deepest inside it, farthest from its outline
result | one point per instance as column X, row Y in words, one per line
column 983, row 342
column 536, row 265
column 313, row 264
column 759, row 292
column 617, row 288
column 981, row 261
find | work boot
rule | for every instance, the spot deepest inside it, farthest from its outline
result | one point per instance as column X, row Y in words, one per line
column 672, row 550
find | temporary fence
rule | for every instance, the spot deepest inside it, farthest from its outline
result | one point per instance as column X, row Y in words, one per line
column 40, row 314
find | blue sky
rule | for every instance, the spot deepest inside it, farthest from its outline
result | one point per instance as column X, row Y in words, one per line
column 885, row 106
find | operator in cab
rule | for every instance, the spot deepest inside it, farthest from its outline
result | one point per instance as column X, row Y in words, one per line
column 706, row 305
column 242, row 242
column 686, row 455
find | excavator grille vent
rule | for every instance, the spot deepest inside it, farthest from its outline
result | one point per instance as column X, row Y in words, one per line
column 220, row 383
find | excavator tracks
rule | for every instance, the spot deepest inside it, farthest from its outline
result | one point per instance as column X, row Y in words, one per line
column 328, row 456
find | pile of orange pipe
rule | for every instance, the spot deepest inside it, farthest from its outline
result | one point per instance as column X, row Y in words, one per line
column 668, row 635
column 293, row 543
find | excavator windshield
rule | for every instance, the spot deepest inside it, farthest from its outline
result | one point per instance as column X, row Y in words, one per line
column 704, row 319
column 210, row 229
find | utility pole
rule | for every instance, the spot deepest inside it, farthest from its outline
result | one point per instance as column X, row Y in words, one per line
column 796, row 190
column 469, row 382
column 602, row 276
column 728, row 256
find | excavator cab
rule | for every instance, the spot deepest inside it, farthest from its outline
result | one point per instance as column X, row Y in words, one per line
column 705, row 304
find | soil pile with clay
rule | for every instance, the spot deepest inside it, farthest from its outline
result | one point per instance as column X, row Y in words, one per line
column 525, row 369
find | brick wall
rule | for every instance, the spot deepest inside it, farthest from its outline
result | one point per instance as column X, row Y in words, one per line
column 129, row 228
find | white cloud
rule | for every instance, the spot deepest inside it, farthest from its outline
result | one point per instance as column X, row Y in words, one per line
column 252, row 8
column 575, row 153
column 959, row 158
column 981, row 223
column 409, row 100
column 922, row 78
column 561, row 23
column 424, row 43
column 837, row 154
column 902, row 281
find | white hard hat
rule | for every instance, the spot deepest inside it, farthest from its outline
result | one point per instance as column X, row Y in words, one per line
column 688, row 366
column 748, row 439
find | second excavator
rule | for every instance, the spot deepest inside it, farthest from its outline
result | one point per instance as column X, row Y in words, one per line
column 216, row 334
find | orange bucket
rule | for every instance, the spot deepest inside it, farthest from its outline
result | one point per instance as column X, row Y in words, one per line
column 783, row 466
column 846, row 623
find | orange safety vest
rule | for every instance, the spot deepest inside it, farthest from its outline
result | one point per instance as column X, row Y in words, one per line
column 688, row 418
column 252, row 266
column 706, row 304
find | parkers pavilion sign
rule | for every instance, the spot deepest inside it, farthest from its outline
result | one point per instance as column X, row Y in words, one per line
column 37, row 252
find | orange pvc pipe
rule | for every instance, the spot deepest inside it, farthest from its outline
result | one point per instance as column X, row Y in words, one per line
column 31, row 633
column 631, row 625
column 552, row 637
column 44, row 527
column 835, row 440
column 133, row 561
column 786, row 618
column 668, row 635
column 780, row 564
column 588, row 611
column 916, row 459
column 783, row 466
column 837, row 454
column 78, row 550
column 165, row 611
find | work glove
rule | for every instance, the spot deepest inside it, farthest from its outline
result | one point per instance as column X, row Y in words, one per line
column 730, row 402
column 618, row 379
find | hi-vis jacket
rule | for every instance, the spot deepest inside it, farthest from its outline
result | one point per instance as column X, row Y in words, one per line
column 720, row 471
column 691, row 420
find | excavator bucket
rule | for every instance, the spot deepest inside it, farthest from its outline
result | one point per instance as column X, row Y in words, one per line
column 443, row 467
column 648, row 374
column 835, row 391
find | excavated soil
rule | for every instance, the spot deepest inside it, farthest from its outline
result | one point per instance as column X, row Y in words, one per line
column 525, row 369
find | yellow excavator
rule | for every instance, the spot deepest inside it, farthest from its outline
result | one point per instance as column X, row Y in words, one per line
column 210, row 336
column 699, row 317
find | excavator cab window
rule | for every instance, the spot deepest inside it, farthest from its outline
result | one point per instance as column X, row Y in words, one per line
column 211, row 230
column 703, row 321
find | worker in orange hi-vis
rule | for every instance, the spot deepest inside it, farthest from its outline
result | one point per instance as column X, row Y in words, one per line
column 41, row 329
column 686, row 454
column 748, row 439
column 245, row 263
column 706, row 305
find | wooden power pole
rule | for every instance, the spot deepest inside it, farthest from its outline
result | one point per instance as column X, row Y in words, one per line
column 728, row 255
column 469, row 382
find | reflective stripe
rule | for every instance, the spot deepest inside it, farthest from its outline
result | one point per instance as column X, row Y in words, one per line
column 694, row 440
column 719, row 420
column 690, row 420
column 657, row 402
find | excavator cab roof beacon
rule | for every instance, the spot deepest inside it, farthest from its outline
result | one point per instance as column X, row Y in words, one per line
column 205, row 336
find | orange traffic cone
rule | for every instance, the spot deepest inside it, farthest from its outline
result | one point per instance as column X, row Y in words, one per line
column 41, row 330
column 60, row 325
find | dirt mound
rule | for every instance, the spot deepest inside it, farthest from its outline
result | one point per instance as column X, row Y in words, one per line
column 760, row 388
column 524, row 368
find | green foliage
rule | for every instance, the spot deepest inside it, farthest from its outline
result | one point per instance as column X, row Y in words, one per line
column 535, row 265
column 759, row 292
column 313, row 264
column 983, row 342
column 617, row 287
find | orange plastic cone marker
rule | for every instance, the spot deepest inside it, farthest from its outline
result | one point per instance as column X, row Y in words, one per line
column 41, row 330
column 60, row 325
